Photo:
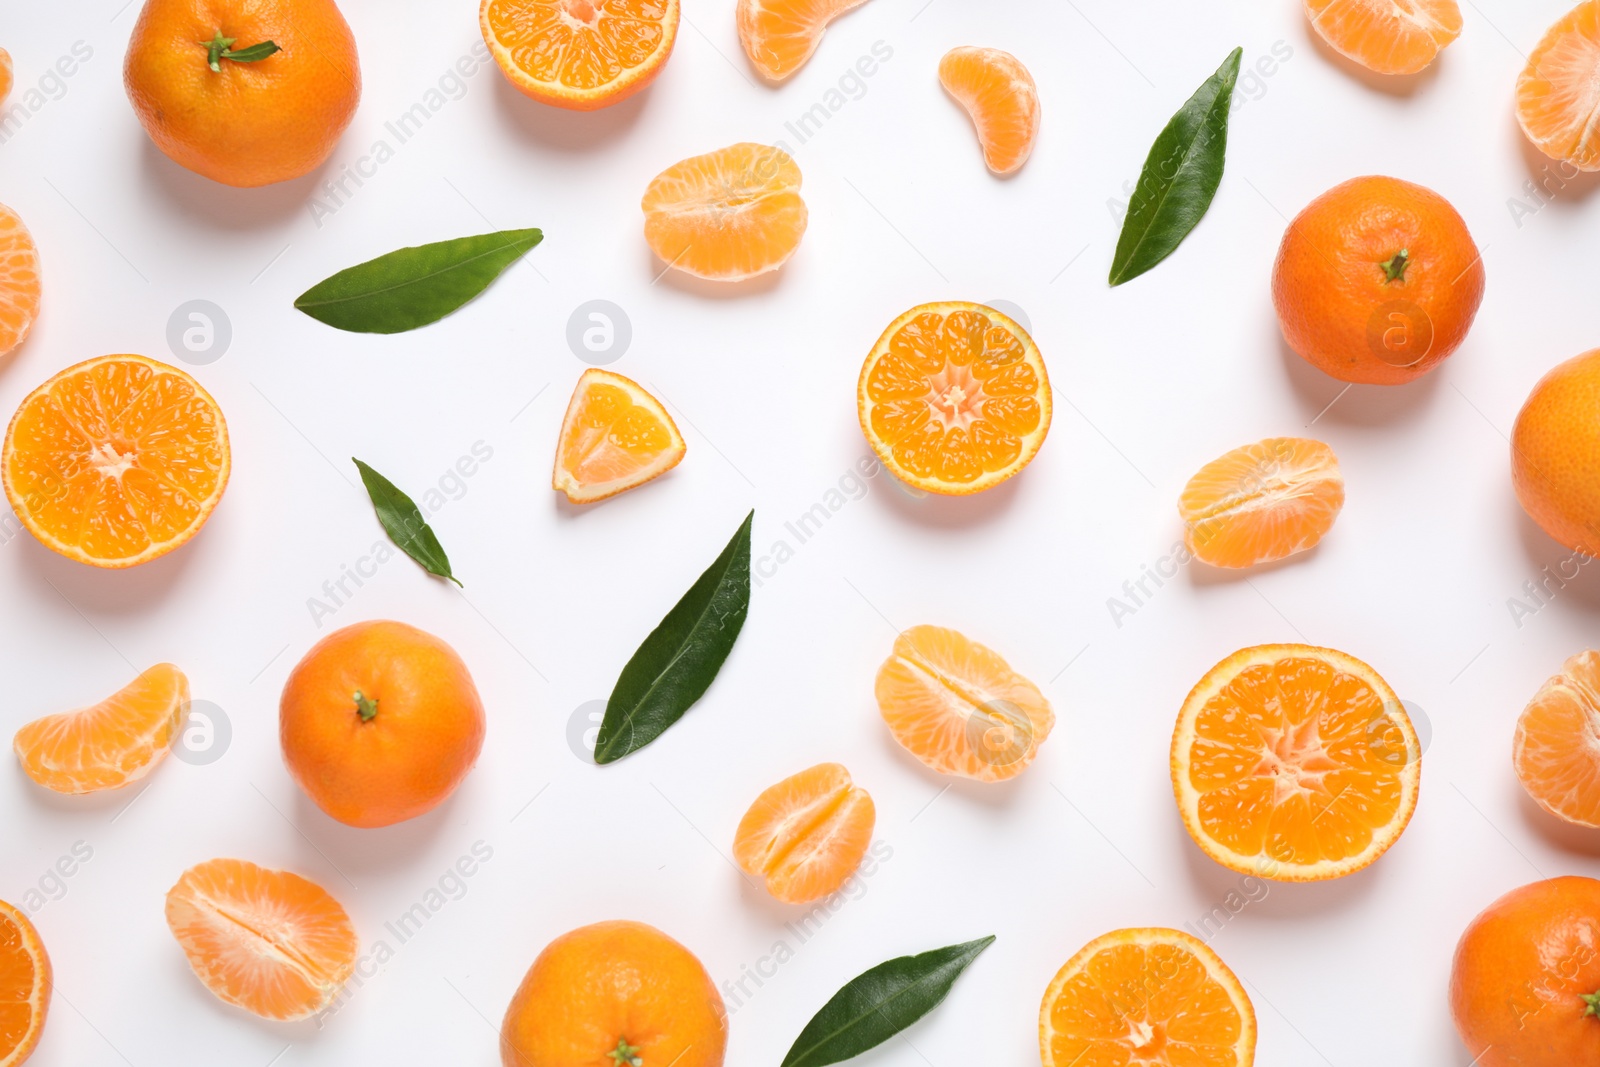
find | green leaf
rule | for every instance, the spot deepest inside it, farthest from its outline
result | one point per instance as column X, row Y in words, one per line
column 252, row 54
column 880, row 1003
column 678, row 661
column 412, row 287
column 1180, row 176
column 402, row 521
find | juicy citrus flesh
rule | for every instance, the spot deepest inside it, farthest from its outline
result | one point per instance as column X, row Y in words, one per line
column 954, row 398
column 1387, row 36
column 1557, row 748
column 958, row 706
column 6, row 75
column 1150, row 998
column 1294, row 763
column 1553, row 445
column 270, row 942
column 117, row 741
column 1002, row 100
column 615, row 437
column 19, row 278
column 806, row 835
column 780, row 35
column 580, row 54
column 1558, row 93
column 25, row 985
column 727, row 215
column 116, row 461
column 1262, row 502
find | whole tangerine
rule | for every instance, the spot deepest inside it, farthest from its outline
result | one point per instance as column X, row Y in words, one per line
column 379, row 723
column 1555, row 453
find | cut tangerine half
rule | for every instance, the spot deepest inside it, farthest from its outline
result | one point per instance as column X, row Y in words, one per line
column 19, row 272
column 1262, row 502
column 1294, row 763
column 727, row 215
column 1000, row 97
column 1387, row 36
column 116, row 461
column 117, row 741
column 806, row 835
column 954, row 398
column 780, row 35
column 959, row 707
column 615, row 436
column 267, row 941
column 579, row 54
column 25, row 985
column 1155, row 998
column 1558, row 94
column 1557, row 747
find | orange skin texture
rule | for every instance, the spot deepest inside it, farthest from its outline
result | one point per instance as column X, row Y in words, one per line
column 1522, row 970
column 1555, row 453
column 610, row 982
column 1335, row 303
column 408, row 757
column 254, row 123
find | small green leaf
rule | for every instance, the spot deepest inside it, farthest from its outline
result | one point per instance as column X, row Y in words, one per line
column 1180, row 176
column 880, row 1003
column 220, row 48
column 402, row 521
column 253, row 53
column 678, row 661
column 412, row 287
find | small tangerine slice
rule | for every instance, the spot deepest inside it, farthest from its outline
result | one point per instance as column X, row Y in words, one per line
column 25, row 986
column 1387, row 36
column 615, row 436
column 19, row 266
column 727, row 215
column 1294, row 763
column 1557, row 747
column 267, row 941
column 806, row 835
column 580, row 54
column 1262, row 502
column 780, row 35
column 1558, row 92
column 6, row 75
column 1152, row 997
column 114, row 742
column 999, row 95
column 958, row 706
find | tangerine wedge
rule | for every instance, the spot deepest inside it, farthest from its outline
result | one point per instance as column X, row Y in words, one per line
column 6, row 79
column 806, row 835
column 1387, row 36
column 1558, row 93
column 580, row 54
column 780, row 35
column 117, row 741
column 959, row 707
column 1000, row 97
column 267, row 941
column 19, row 272
column 727, row 215
column 615, row 436
column 25, row 986
column 1262, row 502
column 1557, row 747
column 1294, row 763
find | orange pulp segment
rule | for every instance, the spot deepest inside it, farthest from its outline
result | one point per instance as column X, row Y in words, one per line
column 19, row 273
column 615, row 436
column 25, row 985
column 579, row 54
column 727, row 215
column 1262, row 502
column 806, row 835
column 1558, row 93
column 117, row 741
column 1387, row 36
column 1557, row 747
column 780, row 35
column 6, row 75
column 1000, row 97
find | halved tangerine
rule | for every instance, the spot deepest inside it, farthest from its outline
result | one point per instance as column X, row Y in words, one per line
column 1557, row 747
column 19, row 277
column 954, row 398
column 727, row 215
column 1558, row 93
column 1294, row 763
column 1262, row 502
column 805, row 836
column 1387, row 36
column 615, row 436
column 114, row 742
column 25, row 986
column 579, row 54
column 780, row 35
column 1000, row 97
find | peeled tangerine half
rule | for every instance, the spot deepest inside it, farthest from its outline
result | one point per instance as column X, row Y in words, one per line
column 1000, row 97
column 615, row 436
column 19, row 264
column 780, row 35
column 959, row 707
column 1557, row 748
column 1558, row 94
column 1262, row 502
column 806, row 835
column 117, row 741
column 267, row 941
column 727, row 215
column 1387, row 36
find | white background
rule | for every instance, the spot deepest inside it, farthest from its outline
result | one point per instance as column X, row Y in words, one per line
column 1152, row 380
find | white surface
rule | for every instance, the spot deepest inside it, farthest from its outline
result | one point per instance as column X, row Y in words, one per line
column 1153, row 379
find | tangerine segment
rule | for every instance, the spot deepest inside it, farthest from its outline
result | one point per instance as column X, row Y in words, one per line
column 727, row 215
column 1558, row 93
column 6, row 76
column 267, row 941
column 116, row 461
column 806, row 835
column 25, row 985
column 954, row 398
column 1000, row 97
column 19, row 275
column 117, row 741
column 580, row 54
column 1294, row 763
column 1152, row 997
column 780, row 35
column 1387, row 36
column 1557, row 748
column 959, row 707
column 615, row 436
column 1262, row 502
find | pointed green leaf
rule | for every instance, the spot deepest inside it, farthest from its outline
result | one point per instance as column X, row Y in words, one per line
column 402, row 520
column 253, row 54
